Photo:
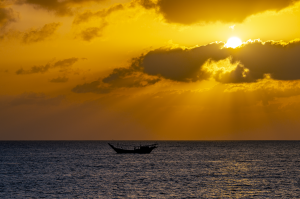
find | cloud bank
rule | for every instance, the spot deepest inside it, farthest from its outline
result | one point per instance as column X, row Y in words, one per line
column 251, row 62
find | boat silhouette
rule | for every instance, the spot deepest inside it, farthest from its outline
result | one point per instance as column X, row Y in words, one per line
column 142, row 149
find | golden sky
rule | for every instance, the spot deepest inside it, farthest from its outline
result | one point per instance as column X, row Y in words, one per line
column 149, row 70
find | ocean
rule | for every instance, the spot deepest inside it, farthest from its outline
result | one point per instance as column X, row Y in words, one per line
column 176, row 169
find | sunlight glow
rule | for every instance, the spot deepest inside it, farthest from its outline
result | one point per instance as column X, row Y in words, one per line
column 233, row 42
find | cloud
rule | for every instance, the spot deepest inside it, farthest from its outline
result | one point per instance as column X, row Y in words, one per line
column 119, row 78
column 92, row 32
column 34, row 69
column 37, row 35
column 89, row 33
column 87, row 15
column 7, row 16
column 116, row 80
column 195, row 11
column 93, row 87
column 42, row 69
column 60, row 7
column 239, row 74
column 132, row 79
column 66, row 62
column 32, row 35
column 120, row 73
column 59, row 80
column 148, row 4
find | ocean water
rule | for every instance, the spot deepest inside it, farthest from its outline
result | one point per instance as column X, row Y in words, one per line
column 208, row 169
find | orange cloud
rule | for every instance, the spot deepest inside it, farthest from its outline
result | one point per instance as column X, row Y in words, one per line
column 37, row 35
column 32, row 35
column 7, row 16
column 87, row 15
column 93, row 87
column 64, row 7
column 148, row 4
column 59, row 80
column 42, row 69
column 91, row 33
column 119, row 78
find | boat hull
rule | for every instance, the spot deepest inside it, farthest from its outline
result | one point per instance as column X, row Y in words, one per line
column 140, row 150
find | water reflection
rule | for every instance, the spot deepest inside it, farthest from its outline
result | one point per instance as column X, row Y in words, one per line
column 173, row 170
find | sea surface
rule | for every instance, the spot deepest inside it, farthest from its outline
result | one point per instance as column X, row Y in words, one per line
column 204, row 169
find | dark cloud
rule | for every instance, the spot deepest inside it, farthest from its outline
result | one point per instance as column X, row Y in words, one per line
column 194, row 11
column 280, row 61
column 255, row 60
column 7, row 16
column 42, row 69
column 59, row 80
column 182, row 64
column 60, row 7
column 37, row 35
column 31, row 98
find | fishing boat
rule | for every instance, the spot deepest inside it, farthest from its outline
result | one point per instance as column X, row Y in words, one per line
column 142, row 149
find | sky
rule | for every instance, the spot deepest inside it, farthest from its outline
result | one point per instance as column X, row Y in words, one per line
column 149, row 70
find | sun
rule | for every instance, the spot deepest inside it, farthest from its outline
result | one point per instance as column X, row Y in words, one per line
column 233, row 42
